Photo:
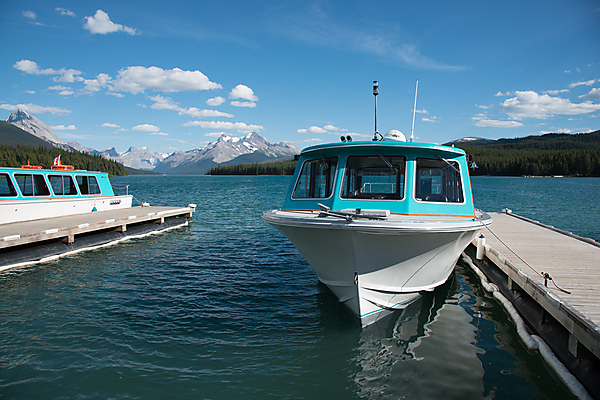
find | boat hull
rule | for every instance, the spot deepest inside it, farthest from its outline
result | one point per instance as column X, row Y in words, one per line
column 21, row 210
column 376, row 267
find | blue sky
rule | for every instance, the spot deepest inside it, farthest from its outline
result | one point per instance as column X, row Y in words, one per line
column 174, row 76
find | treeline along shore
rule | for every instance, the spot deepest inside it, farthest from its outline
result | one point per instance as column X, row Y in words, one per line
column 17, row 155
column 547, row 155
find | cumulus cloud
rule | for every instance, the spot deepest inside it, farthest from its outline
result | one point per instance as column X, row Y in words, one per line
column 137, row 79
column 165, row 103
column 529, row 104
column 243, row 92
column 593, row 94
column 146, row 128
column 101, row 24
column 35, row 109
column 62, row 75
column 318, row 130
column 239, row 126
column 95, row 85
column 215, row 101
column 483, row 121
column 64, row 128
column 109, row 125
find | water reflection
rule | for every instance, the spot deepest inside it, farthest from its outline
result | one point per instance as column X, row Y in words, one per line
column 427, row 351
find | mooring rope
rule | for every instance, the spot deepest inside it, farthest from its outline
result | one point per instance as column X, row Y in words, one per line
column 546, row 276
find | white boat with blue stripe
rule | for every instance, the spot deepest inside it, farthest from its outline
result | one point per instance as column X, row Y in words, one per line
column 380, row 221
column 31, row 193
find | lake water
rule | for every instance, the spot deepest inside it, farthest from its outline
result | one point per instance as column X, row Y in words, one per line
column 226, row 308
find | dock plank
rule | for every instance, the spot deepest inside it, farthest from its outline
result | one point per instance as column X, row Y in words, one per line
column 573, row 264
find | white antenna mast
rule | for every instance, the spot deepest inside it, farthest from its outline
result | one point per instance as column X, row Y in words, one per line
column 412, row 131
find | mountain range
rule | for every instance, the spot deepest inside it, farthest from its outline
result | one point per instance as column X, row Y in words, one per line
column 227, row 150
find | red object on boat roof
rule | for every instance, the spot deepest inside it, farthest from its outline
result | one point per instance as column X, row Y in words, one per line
column 56, row 164
column 31, row 166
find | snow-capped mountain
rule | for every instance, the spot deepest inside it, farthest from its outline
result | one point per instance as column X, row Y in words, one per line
column 227, row 150
column 31, row 124
column 135, row 158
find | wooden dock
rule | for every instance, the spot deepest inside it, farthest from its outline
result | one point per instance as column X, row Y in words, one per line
column 31, row 241
column 552, row 278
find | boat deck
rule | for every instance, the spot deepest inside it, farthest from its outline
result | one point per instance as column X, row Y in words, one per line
column 27, row 237
column 568, row 319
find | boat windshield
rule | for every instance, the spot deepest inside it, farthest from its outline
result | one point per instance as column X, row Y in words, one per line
column 316, row 179
column 374, row 177
column 438, row 181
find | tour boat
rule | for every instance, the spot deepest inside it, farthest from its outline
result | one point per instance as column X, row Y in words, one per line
column 380, row 221
column 31, row 192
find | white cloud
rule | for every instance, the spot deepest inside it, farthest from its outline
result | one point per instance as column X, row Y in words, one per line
column 146, row 128
column 500, row 94
column 529, row 104
column 197, row 113
column 165, row 103
column 215, row 134
column 249, row 104
column 159, row 134
column 101, row 24
column 34, row 109
column 239, row 126
column 64, row 11
column 95, row 85
column 593, row 94
column 110, row 125
column 430, row 119
column 30, row 15
column 242, row 92
column 331, row 129
column 483, row 121
column 215, row 101
column 136, row 79
column 62, row 75
column 64, row 128
column 583, row 83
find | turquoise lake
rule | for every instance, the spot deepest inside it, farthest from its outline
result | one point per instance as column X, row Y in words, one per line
column 226, row 308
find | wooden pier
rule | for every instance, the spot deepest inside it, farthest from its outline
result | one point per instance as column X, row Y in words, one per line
column 552, row 278
column 31, row 241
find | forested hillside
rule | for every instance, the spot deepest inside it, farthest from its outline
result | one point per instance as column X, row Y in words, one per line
column 15, row 156
column 271, row 168
column 551, row 154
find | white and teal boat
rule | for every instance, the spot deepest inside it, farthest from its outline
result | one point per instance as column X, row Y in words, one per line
column 380, row 221
column 31, row 192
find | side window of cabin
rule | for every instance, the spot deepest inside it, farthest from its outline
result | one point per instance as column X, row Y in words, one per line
column 438, row 181
column 6, row 187
column 374, row 177
column 316, row 179
column 88, row 184
column 62, row 185
column 32, row 184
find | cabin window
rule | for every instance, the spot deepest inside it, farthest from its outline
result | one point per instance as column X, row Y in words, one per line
column 32, row 184
column 62, row 185
column 438, row 180
column 316, row 179
column 87, row 184
column 6, row 187
column 374, row 177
